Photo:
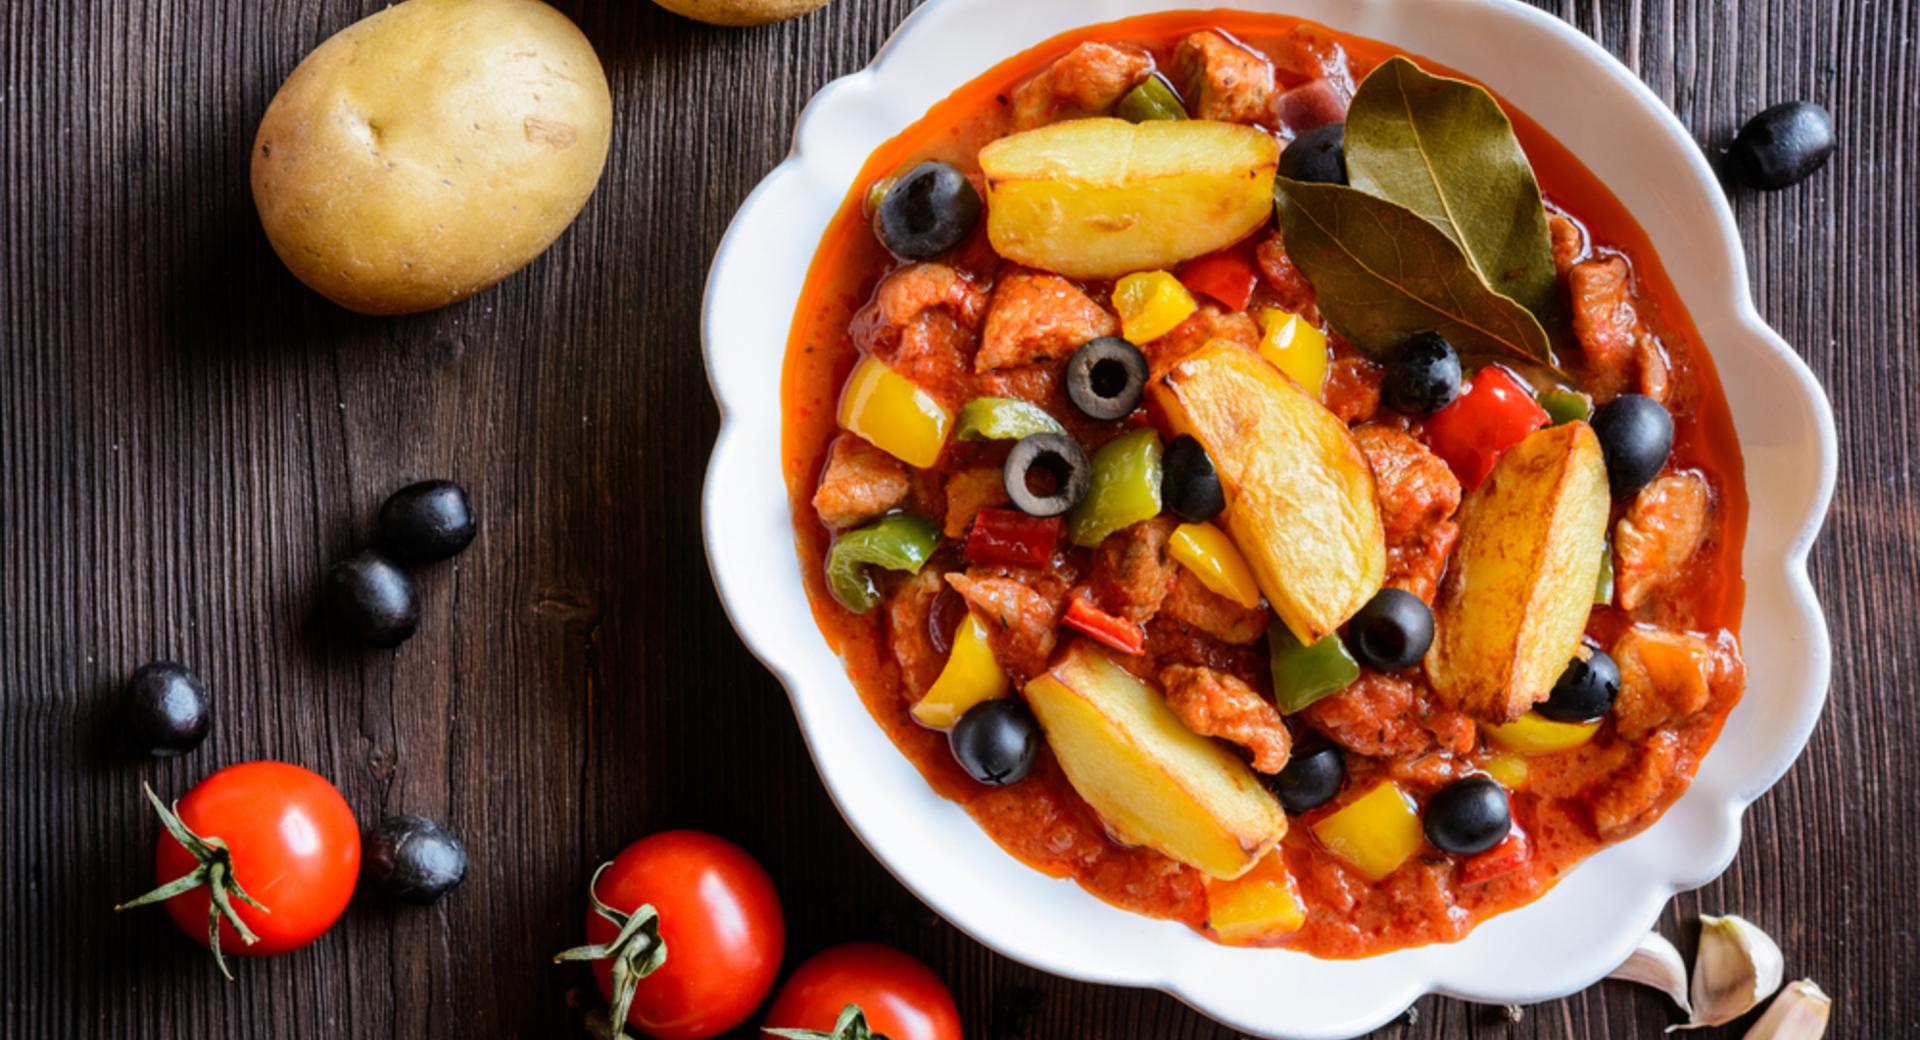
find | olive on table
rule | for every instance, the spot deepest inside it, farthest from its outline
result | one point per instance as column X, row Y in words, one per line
column 412, row 859
column 1585, row 691
column 1106, row 378
column 1319, row 155
column 1468, row 816
column 1636, row 434
column 1310, row 779
column 928, row 211
column 373, row 599
column 1392, row 631
column 1423, row 376
column 1046, row 474
column 428, row 521
column 1189, row 483
column 996, row 741
column 166, row 711
column 1781, row 146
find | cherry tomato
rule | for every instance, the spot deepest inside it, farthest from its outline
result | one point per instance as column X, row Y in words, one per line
column 902, row 998
column 718, row 916
column 257, row 835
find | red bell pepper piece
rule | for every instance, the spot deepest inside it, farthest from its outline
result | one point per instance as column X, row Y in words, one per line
column 1494, row 412
column 1010, row 538
column 1227, row 276
column 1102, row 627
column 1505, row 858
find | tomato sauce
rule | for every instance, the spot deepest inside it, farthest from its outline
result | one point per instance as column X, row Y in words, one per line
column 1042, row 820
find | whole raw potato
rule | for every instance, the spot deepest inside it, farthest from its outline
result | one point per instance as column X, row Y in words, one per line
column 430, row 150
column 740, row 12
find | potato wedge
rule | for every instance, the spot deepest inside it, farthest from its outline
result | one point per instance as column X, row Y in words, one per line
column 1300, row 495
column 1152, row 781
column 1100, row 198
column 1516, row 597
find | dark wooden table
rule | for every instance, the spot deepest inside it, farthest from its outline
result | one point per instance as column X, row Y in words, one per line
column 188, row 438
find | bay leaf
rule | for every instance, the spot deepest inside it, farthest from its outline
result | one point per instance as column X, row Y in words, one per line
column 1382, row 272
column 1444, row 149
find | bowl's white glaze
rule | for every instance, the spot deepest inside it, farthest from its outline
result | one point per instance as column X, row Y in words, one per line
column 1592, row 919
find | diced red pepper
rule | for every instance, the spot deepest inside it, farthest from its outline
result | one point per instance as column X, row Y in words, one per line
column 1494, row 412
column 1102, row 627
column 1227, row 276
column 1505, row 858
column 1010, row 538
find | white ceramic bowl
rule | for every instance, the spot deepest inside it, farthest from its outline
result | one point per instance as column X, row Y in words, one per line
column 1592, row 919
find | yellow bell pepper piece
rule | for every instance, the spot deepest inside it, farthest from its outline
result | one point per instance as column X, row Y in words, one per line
column 1296, row 348
column 971, row 675
column 1376, row 832
column 1213, row 558
column 1535, row 734
column 1256, row 908
column 893, row 414
column 1509, row 768
column 1151, row 304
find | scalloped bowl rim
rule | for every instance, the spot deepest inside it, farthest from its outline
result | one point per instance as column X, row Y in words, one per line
column 1594, row 916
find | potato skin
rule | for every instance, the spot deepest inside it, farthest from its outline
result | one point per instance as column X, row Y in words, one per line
column 741, row 12
column 426, row 152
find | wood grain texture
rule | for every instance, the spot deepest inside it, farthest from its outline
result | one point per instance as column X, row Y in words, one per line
column 188, row 437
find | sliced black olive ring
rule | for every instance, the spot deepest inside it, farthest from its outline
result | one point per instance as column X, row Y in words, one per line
column 1047, row 474
column 1106, row 378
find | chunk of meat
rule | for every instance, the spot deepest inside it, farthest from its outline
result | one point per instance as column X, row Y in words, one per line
column 1038, row 317
column 910, row 634
column 968, row 492
column 859, row 482
column 1291, row 290
column 1375, row 716
column 1225, row 81
column 1191, row 603
column 921, row 322
column 1417, row 566
column 1020, row 619
column 1658, row 536
column 1132, row 570
column 1665, row 678
column 1628, row 794
column 1311, row 105
column 1308, row 52
column 1569, row 242
column 1203, row 326
column 1418, row 496
column 1621, row 352
column 1353, row 388
column 1087, row 79
column 1215, row 704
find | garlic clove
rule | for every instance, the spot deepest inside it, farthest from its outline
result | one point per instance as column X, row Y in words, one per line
column 1656, row 963
column 1798, row 1013
column 1738, row 966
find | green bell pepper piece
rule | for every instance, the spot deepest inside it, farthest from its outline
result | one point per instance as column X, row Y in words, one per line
column 901, row 542
column 1304, row 674
column 1565, row 406
column 1603, row 591
column 1151, row 100
column 1125, row 488
column 1003, row 419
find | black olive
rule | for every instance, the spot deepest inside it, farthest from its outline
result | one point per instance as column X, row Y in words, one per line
column 1585, row 691
column 1391, row 632
column 1311, row 777
column 1423, row 377
column 996, row 741
column 1106, row 378
column 1782, row 146
column 1046, row 474
column 1189, row 482
column 428, row 521
column 412, row 859
column 1319, row 155
column 1468, row 816
column 928, row 211
column 166, row 709
column 1637, row 436
column 373, row 599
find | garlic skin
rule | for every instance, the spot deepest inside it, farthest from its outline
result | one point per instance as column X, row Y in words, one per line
column 1738, row 966
column 1656, row 963
column 1798, row 1013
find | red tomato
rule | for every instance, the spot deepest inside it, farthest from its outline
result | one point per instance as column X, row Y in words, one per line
column 901, row 996
column 294, row 847
column 1494, row 412
column 720, row 920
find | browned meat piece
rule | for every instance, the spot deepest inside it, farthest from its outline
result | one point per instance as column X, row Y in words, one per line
column 1201, row 327
column 1215, row 704
column 1417, row 566
column 921, row 322
column 1435, row 769
column 1019, row 620
column 1193, row 604
column 968, row 492
column 1132, row 571
column 1569, row 242
column 1658, row 536
column 1353, row 388
column 1088, row 79
column 1309, row 52
column 1038, row 317
column 1311, row 105
column 1225, row 81
column 911, row 636
column 1665, row 678
column 1629, row 793
column 1619, row 349
column 1291, row 290
column 1418, row 496
column 1377, row 716
column 860, row 482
